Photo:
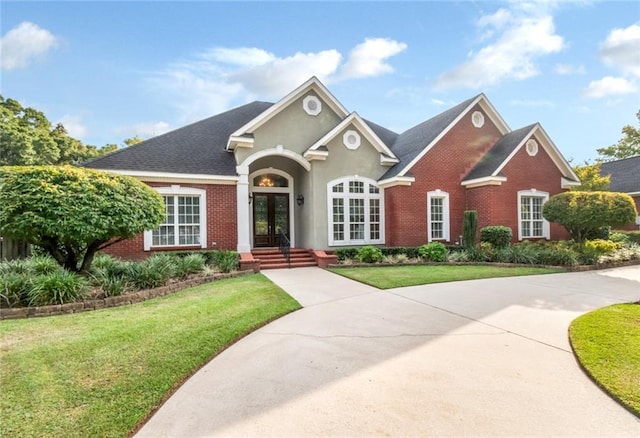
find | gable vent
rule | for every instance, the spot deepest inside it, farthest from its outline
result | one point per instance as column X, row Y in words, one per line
column 312, row 105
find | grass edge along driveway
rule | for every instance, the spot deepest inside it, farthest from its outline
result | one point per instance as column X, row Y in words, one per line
column 101, row 373
column 389, row 277
column 606, row 342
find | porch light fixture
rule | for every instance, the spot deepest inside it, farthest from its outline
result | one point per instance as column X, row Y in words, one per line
column 300, row 200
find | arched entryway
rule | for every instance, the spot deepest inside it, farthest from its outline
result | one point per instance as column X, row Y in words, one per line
column 271, row 194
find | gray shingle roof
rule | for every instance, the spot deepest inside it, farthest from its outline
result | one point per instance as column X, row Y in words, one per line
column 199, row 148
column 625, row 174
column 410, row 143
column 387, row 136
column 490, row 162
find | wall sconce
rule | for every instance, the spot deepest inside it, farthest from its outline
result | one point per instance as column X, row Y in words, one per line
column 250, row 197
column 300, row 200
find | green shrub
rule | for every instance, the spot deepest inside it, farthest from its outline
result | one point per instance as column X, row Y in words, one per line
column 189, row 264
column 402, row 258
column 14, row 288
column 469, row 228
column 369, row 254
column 15, row 266
column 113, row 266
column 409, row 251
column 227, row 261
column 521, row 253
column 111, row 284
column 619, row 237
column 42, row 264
column 634, row 236
column 497, row 235
column 584, row 213
column 433, row 252
column 346, row 253
column 557, row 255
column 152, row 272
column 56, row 288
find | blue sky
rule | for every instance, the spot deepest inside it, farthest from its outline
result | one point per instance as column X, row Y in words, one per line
column 111, row 70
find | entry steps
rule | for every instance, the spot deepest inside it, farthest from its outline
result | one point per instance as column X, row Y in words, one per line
column 272, row 258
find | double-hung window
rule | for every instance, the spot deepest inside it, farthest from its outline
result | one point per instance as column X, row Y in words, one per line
column 531, row 223
column 184, row 221
column 355, row 212
column 438, row 216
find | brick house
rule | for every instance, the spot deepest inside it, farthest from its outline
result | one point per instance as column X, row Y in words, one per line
column 328, row 178
column 625, row 177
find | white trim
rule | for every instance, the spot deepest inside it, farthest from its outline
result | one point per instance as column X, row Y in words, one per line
column 484, row 104
column 364, row 129
column 305, row 105
column 312, row 84
column 237, row 141
column 345, row 195
column 356, row 139
column 175, row 177
column 532, row 147
column 288, row 190
column 546, row 229
column 279, row 150
column 550, row 148
column 484, row 181
column 396, row 181
column 632, row 193
column 446, row 222
column 242, row 210
column 477, row 119
column 177, row 190
column 566, row 183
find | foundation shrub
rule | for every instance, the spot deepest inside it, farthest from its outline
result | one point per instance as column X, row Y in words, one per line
column 14, row 288
column 369, row 254
column 152, row 272
column 226, row 261
column 433, row 252
column 58, row 287
column 189, row 264
column 497, row 235
column 346, row 253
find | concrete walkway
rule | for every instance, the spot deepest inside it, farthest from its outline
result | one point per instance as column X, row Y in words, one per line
column 473, row 358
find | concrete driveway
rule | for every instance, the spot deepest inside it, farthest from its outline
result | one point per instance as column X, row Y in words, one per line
column 474, row 358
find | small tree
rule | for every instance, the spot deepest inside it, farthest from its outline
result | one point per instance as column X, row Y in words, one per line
column 469, row 229
column 71, row 213
column 590, row 178
column 582, row 213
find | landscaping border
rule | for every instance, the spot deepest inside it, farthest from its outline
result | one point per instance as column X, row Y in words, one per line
column 116, row 301
column 576, row 268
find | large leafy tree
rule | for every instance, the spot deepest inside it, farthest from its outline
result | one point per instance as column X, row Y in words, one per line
column 583, row 213
column 72, row 213
column 28, row 138
column 627, row 146
column 590, row 178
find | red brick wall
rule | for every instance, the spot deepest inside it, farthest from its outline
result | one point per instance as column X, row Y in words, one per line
column 221, row 224
column 498, row 205
column 441, row 168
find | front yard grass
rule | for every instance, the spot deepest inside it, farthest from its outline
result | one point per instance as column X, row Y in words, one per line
column 607, row 344
column 100, row 373
column 388, row 277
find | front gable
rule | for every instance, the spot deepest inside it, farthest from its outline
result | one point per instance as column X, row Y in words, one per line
column 352, row 131
column 530, row 140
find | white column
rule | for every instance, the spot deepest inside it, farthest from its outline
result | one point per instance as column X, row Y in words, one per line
column 242, row 191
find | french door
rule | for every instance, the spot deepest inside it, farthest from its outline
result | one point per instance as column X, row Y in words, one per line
column 270, row 218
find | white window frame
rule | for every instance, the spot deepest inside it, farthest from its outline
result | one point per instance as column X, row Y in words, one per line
column 346, row 196
column 176, row 190
column 546, row 229
column 446, row 236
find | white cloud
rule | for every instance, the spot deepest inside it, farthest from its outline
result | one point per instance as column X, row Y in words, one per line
column 243, row 56
column 275, row 78
column 609, row 86
column 74, row 126
column 519, row 41
column 368, row 58
column 621, row 50
column 219, row 78
column 144, row 130
column 568, row 69
column 23, row 44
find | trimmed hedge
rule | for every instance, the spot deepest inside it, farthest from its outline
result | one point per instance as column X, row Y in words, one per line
column 497, row 235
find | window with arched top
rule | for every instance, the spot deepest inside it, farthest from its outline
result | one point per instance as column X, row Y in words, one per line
column 356, row 211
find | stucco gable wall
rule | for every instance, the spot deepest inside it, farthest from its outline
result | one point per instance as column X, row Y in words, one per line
column 292, row 128
column 442, row 167
column 498, row 205
column 341, row 162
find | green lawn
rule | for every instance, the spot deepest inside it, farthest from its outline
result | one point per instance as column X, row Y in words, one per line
column 100, row 373
column 388, row 277
column 607, row 344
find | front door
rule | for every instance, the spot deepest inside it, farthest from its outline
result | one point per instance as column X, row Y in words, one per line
column 270, row 217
